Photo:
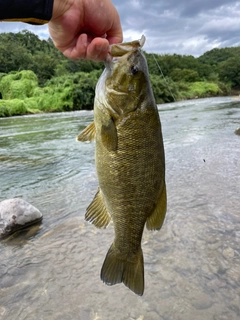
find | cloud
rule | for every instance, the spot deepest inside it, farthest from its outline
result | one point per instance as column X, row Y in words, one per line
column 173, row 26
column 194, row 8
column 41, row 31
column 183, row 27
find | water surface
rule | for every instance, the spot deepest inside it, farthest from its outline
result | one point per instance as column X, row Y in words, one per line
column 192, row 266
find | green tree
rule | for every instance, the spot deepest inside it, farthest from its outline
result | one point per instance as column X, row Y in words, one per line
column 186, row 75
column 164, row 90
column 229, row 72
column 218, row 55
column 44, row 67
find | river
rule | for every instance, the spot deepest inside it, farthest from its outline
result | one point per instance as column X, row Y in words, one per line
column 192, row 265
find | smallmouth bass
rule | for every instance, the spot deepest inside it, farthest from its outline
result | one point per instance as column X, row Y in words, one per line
column 130, row 162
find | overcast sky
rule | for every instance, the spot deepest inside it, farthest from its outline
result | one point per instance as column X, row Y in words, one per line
column 189, row 27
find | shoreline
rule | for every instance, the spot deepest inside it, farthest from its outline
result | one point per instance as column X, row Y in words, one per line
column 233, row 97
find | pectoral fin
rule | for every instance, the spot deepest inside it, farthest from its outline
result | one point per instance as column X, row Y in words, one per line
column 155, row 220
column 88, row 134
column 97, row 212
column 109, row 135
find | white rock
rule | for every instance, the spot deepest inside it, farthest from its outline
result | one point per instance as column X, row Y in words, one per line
column 237, row 131
column 2, row 311
column 16, row 214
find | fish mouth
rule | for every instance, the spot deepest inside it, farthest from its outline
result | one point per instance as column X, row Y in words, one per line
column 120, row 49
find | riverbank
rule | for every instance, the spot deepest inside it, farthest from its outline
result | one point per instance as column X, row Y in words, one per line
column 20, row 93
column 36, row 78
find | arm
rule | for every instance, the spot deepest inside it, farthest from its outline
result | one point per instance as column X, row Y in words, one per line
column 34, row 12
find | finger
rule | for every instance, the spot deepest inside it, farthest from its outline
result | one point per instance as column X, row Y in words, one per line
column 87, row 48
column 78, row 48
column 97, row 50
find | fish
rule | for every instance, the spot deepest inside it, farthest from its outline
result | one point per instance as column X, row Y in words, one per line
column 130, row 162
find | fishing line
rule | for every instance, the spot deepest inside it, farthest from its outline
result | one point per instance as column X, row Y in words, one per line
column 164, row 78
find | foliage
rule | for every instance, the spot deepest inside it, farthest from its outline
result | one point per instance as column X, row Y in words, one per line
column 25, row 51
column 186, row 75
column 216, row 55
column 13, row 107
column 229, row 72
column 36, row 77
column 84, row 90
column 225, row 88
column 65, row 93
column 203, row 89
column 164, row 90
column 18, row 85
column 168, row 63
column 70, row 92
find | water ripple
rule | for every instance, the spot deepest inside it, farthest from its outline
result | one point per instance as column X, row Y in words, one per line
column 51, row 271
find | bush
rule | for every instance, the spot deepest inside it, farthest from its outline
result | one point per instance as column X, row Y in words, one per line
column 4, row 112
column 84, row 90
column 204, row 89
column 201, row 89
column 164, row 90
column 18, row 85
column 64, row 93
column 31, row 105
column 12, row 108
column 70, row 92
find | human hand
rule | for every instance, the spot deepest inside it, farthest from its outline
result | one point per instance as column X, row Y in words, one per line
column 83, row 29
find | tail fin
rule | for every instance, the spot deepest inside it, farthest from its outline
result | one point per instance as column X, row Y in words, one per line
column 116, row 270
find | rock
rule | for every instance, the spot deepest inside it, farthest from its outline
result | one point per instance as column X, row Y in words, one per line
column 17, row 214
column 151, row 315
column 201, row 301
column 2, row 311
column 228, row 253
column 233, row 275
column 237, row 131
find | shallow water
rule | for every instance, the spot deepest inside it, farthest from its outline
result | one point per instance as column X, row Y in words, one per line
column 192, row 266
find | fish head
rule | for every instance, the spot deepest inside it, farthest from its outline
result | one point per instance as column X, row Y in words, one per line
column 125, row 79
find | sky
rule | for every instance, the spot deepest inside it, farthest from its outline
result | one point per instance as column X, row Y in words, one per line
column 186, row 27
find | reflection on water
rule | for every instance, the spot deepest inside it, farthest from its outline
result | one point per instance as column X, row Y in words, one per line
column 192, row 268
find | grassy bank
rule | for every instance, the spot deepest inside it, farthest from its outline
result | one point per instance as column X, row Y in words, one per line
column 20, row 93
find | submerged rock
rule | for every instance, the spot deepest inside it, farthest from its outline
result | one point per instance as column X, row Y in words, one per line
column 237, row 131
column 2, row 311
column 17, row 214
column 228, row 253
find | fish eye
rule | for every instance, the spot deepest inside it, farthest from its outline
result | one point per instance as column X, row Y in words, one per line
column 134, row 70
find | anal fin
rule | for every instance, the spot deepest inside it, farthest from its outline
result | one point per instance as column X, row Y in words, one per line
column 97, row 212
column 155, row 220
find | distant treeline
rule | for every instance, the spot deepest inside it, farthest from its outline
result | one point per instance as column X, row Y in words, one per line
column 37, row 77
